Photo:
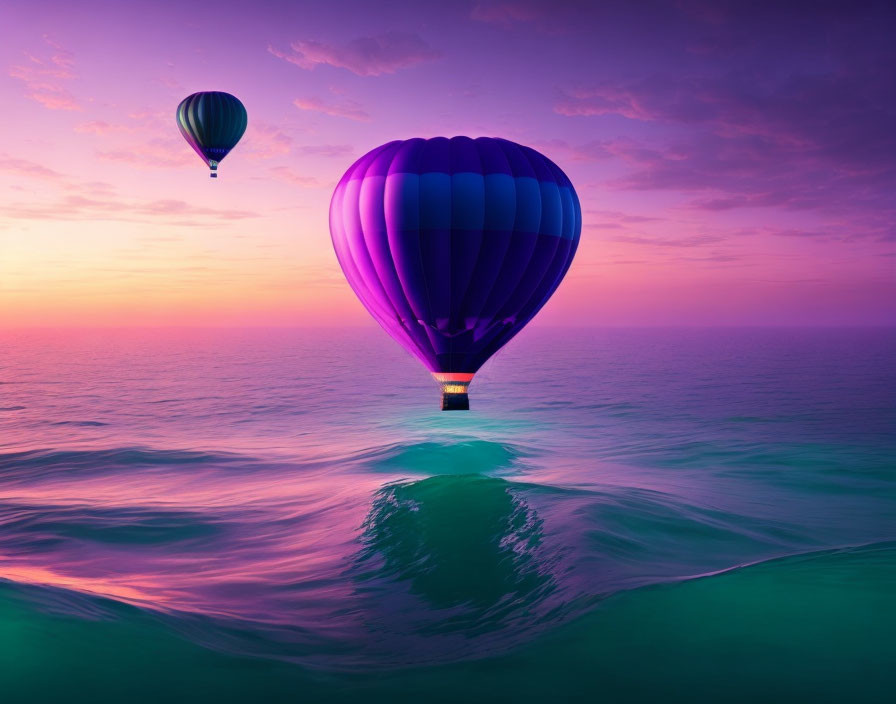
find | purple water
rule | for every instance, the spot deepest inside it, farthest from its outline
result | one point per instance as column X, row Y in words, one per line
column 297, row 496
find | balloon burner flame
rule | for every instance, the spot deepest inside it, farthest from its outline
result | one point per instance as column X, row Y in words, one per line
column 454, row 391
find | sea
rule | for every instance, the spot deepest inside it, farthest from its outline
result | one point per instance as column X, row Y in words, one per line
column 286, row 515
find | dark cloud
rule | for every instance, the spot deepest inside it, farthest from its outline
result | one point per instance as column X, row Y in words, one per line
column 753, row 172
column 785, row 105
column 840, row 116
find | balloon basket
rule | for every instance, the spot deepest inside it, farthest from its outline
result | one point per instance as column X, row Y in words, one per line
column 454, row 387
column 455, row 402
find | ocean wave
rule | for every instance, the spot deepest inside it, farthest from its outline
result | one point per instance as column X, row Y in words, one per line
column 468, row 456
column 44, row 462
column 367, row 651
column 83, row 423
column 65, row 602
column 465, row 551
column 27, row 527
column 453, row 566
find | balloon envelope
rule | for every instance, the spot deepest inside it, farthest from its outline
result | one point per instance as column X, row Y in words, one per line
column 212, row 122
column 453, row 245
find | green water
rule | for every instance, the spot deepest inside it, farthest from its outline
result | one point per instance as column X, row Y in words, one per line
column 663, row 517
column 811, row 628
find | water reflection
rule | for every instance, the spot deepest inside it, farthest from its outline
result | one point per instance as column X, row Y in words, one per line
column 468, row 550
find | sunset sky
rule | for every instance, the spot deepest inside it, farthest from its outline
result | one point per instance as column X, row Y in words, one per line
column 736, row 165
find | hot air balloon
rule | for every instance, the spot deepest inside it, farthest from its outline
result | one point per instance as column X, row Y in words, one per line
column 453, row 245
column 212, row 122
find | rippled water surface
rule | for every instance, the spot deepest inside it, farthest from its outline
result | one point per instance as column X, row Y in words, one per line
column 625, row 515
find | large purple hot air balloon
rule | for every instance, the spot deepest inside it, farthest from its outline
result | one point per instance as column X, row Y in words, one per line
column 453, row 245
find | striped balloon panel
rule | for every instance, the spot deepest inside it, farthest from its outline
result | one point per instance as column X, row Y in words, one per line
column 212, row 123
column 453, row 245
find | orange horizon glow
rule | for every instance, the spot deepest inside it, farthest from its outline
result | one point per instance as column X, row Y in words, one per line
column 107, row 217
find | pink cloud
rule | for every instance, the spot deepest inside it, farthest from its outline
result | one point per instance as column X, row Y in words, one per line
column 617, row 216
column 149, row 140
column 555, row 17
column 347, row 109
column 60, row 100
column 505, row 13
column 45, row 78
column 97, row 188
column 285, row 173
column 327, row 150
column 83, row 208
column 148, row 116
column 605, row 99
column 101, row 127
column 689, row 241
column 265, row 141
column 170, row 207
column 23, row 167
column 364, row 56
column 595, row 150
column 52, row 42
column 157, row 153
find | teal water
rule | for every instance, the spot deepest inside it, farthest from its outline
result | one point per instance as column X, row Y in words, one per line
column 625, row 515
column 814, row 628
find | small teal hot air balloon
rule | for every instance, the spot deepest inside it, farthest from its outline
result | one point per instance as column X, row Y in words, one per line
column 212, row 122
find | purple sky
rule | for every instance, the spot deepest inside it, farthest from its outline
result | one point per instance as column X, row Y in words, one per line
column 736, row 163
